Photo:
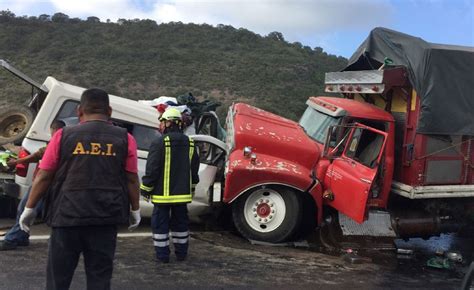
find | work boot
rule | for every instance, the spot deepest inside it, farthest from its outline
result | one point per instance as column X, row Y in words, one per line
column 7, row 246
column 163, row 260
column 23, row 243
column 180, row 258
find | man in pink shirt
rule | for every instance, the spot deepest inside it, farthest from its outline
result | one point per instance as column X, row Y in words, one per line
column 89, row 180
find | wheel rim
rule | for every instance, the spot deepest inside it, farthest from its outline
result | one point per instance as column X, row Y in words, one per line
column 12, row 126
column 264, row 210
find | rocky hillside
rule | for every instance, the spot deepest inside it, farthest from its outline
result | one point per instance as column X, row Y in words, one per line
column 140, row 59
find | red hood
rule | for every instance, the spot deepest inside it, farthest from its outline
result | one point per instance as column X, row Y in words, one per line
column 274, row 136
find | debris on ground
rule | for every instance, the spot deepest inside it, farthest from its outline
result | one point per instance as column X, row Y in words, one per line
column 296, row 244
column 439, row 263
column 439, row 252
column 354, row 258
column 454, row 256
column 404, row 251
column 404, row 254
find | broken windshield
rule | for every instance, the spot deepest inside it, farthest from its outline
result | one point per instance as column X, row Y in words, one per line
column 316, row 124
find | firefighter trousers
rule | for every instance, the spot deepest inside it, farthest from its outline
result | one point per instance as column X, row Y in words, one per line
column 175, row 218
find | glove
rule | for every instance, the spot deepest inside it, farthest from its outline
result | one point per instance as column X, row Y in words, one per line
column 134, row 219
column 27, row 218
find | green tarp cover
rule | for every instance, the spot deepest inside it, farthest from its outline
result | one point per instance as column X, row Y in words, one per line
column 442, row 75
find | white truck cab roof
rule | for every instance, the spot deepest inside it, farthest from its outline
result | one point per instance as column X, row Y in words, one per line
column 60, row 93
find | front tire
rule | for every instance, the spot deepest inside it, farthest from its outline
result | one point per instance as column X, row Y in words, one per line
column 270, row 214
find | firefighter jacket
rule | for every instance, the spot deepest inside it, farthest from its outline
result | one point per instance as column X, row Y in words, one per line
column 171, row 169
column 90, row 185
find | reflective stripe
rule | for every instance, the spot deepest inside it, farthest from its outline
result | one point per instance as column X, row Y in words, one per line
column 171, row 198
column 180, row 234
column 146, row 188
column 160, row 236
column 191, row 152
column 167, row 167
column 180, row 241
column 161, row 244
column 191, row 148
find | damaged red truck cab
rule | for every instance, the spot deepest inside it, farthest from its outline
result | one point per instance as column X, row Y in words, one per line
column 344, row 159
column 275, row 164
column 390, row 155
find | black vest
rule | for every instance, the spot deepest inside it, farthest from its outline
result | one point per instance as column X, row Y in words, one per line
column 90, row 186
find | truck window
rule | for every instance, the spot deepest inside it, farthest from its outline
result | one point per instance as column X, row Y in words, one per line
column 209, row 153
column 365, row 146
column 68, row 113
column 143, row 135
column 316, row 124
column 68, row 109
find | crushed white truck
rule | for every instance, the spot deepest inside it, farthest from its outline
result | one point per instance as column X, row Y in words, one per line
column 29, row 124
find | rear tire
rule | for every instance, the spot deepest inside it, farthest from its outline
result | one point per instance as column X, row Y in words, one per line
column 268, row 214
column 15, row 121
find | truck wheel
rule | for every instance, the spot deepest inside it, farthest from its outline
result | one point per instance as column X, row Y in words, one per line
column 15, row 121
column 268, row 214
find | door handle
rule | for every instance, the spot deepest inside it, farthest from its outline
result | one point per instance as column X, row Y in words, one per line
column 365, row 180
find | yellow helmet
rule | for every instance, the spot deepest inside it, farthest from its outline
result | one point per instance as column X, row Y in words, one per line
column 171, row 114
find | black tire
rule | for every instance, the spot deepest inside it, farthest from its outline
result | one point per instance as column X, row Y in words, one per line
column 309, row 220
column 15, row 121
column 330, row 232
column 278, row 228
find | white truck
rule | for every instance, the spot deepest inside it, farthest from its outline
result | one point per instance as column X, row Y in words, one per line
column 56, row 100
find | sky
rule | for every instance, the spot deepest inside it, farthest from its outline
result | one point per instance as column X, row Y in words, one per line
column 338, row 26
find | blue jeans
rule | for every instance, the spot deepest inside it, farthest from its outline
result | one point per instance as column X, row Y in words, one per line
column 15, row 235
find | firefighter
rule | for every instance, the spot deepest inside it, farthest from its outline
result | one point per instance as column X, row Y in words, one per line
column 88, row 176
column 171, row 174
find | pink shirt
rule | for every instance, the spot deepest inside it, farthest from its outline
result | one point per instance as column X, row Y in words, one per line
column 50, row 159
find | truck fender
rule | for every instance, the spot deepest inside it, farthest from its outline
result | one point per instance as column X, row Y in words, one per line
column 263, row 185
column 316, row 192
column 242, row 174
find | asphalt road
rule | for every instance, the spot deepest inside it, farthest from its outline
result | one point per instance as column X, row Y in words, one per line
column 222, row 259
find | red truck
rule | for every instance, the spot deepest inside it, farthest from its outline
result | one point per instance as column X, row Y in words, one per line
column 390, row 155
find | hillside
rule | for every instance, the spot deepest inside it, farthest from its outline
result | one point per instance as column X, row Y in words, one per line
column 139, row 59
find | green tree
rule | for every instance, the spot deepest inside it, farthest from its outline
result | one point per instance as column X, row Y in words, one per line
column 60, row 17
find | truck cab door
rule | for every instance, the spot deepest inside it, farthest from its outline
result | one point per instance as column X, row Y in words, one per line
column 350, row 176
column 212, row 156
